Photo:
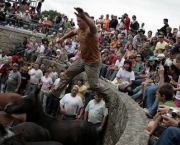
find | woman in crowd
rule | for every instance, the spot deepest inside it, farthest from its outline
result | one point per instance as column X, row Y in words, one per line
column 125, row 77
column 45, row 84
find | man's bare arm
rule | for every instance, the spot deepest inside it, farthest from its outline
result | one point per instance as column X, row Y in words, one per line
column 88, row 20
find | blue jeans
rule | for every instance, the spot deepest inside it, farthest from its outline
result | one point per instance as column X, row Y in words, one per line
column 171, row 136
column 103, row 70
column 137, row 93
column 129, row 90
column 138, row 81
column 31, row 89
column 96, row 126
column 151, row 100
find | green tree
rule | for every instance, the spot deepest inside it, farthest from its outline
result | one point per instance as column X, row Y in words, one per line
column 50, row 13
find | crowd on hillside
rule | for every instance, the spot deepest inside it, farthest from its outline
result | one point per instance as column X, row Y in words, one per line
column 23, row 15
column 134, row 60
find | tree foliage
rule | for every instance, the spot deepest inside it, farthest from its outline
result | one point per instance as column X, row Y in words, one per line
column 50, row 13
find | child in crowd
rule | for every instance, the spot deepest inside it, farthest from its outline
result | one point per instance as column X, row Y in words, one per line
column 163, row 94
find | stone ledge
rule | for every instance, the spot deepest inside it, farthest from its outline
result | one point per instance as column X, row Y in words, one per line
column 19, row 30
column 129, row 121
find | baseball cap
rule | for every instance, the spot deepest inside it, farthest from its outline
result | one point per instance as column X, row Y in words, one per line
column 160, row 36
column 175, row 49
column 105, row 51
column 15, row 64
column 152, row 58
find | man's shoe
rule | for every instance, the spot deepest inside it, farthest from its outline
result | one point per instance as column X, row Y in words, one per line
column 49, row 94
column 148, row 113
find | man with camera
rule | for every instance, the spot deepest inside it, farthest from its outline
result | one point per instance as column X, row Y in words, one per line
column 164, row 72
column 172, row 134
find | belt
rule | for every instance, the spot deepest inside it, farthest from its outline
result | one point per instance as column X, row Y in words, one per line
column 33, row 84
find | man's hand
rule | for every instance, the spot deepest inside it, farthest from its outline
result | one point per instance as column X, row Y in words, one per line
column 61, row 40
column 161, row 71
column 168, row 121
column 78, row 117
column 16, row 90
column 62, row 110
column 80, row 13
column 100, row 129
column 163, row 109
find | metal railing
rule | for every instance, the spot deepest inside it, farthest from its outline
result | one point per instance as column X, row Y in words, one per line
column 31, row 25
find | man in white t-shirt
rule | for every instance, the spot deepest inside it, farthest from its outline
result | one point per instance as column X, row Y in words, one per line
column 40, row 50
column 71, row 105
column 35, row 77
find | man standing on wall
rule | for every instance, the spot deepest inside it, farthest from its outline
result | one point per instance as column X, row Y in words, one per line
column 90, row 56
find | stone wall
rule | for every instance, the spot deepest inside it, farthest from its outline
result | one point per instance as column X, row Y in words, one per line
column 12, row 37
column 126, row 119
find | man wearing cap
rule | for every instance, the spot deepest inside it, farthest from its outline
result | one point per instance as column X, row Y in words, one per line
column 14, row 80
column 90, row 56
column 161, row 44
column 174, row 51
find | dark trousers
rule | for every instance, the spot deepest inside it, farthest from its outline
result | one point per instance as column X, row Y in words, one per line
column 52, row 106
column 68, row 117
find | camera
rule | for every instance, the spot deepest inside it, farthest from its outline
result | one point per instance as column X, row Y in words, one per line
column 173, row 112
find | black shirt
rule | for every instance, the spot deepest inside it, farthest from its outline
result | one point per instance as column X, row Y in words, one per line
column 8, row 4
column 24, row 80
column 39, row 5
column 58, row 19
column 113, row 23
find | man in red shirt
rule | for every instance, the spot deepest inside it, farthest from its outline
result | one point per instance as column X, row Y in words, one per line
column 127, row 21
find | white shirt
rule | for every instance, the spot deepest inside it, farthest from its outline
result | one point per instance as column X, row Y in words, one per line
column 125, row 76
column 168, row 62
column 40, row 49
column 71, row 104
column 96, row 111
column 2, row 59
column 56, row 84
column 46, row 83
column 120, row 64
column 70, row 49
column 35, row 76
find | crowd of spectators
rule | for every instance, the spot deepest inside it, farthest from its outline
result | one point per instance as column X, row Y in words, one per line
column 23, row 15
column 137, row 62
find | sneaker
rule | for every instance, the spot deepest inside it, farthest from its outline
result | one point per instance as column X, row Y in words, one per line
column 147, row 113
